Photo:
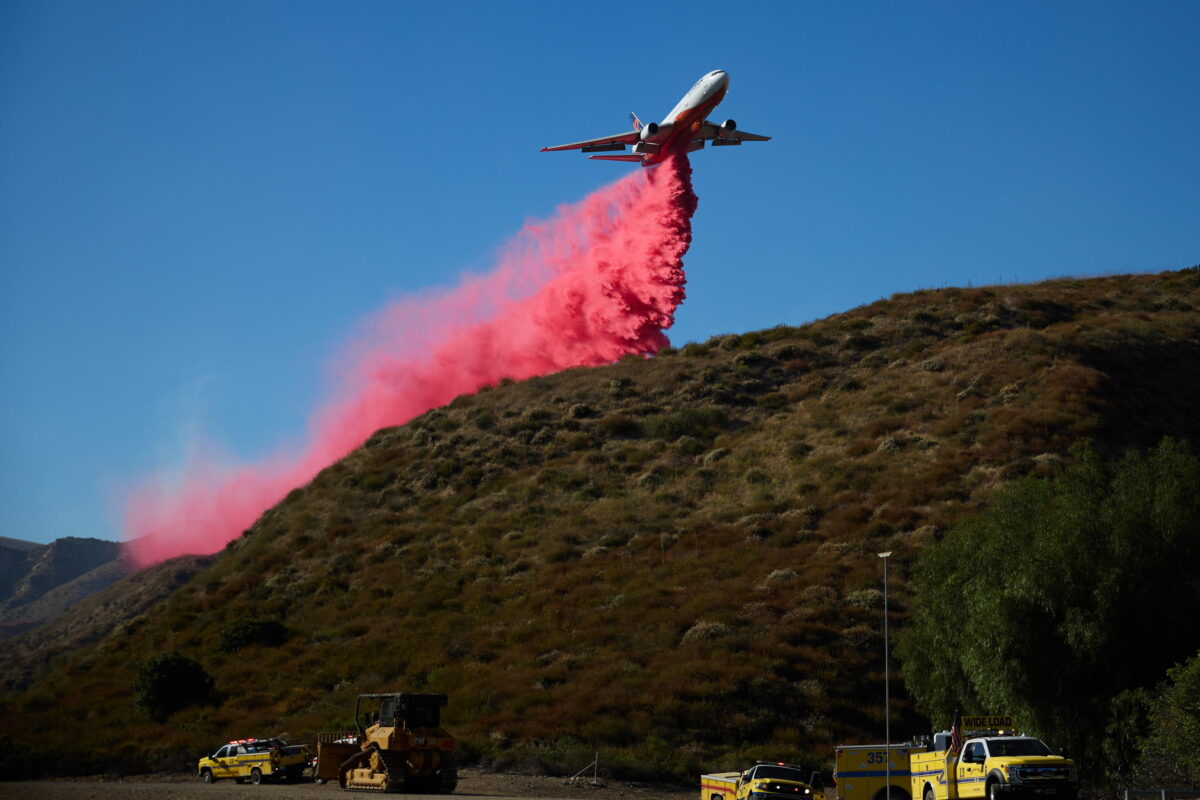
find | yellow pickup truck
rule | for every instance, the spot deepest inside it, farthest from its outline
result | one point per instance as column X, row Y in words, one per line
column 996, row 767
column 255, row 760
column 766, row 780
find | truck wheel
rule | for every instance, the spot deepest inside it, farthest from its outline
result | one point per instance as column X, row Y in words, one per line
column 256, row 776
column 207, row 776
column 929, row 795
column 993, row 791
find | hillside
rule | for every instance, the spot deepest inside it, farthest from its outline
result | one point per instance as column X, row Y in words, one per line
column 670, row 559
column 37, row 582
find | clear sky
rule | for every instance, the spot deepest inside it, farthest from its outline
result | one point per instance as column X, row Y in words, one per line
column 200, row 201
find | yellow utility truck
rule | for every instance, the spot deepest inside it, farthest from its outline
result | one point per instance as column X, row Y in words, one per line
column 766, row 780
column 994, row 764
column 861, row 771
column 255, row 760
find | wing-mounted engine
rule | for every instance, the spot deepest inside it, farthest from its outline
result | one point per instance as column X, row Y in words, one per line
column 727, row 135
column 648, row 131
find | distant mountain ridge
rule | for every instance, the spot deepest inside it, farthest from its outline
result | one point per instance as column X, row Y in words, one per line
column 39, row 581
column 19, row 544
column 669, row 560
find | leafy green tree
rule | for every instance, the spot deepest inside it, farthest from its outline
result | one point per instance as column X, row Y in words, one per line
column 1169, row 753
column 169, row 682
column 1064, row 595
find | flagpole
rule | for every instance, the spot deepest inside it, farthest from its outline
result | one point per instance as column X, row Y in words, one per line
column 887, row 692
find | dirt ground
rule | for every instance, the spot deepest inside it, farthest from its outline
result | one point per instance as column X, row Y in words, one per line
column 472, row 783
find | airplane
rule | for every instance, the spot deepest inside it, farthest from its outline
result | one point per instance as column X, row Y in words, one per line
column 685, row 129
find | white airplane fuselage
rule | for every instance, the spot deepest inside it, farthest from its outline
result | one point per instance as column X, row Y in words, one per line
column 683, row 122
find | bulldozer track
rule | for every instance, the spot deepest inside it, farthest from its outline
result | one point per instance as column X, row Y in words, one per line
column 371, row 789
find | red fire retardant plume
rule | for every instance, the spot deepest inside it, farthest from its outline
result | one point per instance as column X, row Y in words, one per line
column 598, row 281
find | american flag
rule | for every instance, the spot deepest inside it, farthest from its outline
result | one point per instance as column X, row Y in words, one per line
column 956, row 734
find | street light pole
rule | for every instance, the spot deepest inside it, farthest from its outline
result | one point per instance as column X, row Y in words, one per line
column 887, row 694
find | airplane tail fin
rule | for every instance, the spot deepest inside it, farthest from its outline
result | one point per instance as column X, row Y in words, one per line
column 637, row 123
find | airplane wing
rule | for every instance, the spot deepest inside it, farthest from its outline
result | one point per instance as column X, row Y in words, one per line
column 711, row 131
column 628, row 137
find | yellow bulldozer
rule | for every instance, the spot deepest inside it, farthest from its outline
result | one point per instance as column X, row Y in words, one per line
column 397, row 746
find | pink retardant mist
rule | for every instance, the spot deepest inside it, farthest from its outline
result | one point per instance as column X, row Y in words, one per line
column 598, row 281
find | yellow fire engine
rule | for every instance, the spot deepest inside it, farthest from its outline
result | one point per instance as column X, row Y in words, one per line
column 993, row 764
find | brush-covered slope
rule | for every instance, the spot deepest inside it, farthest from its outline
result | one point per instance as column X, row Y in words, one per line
column 671, row 559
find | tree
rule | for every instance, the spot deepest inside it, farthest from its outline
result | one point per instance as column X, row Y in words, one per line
column 1169, row 754
column 169, row 682
column 1061, row 597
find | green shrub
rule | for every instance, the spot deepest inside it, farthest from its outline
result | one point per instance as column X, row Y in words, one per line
column 704, row 422
column 245, row 632
column 169, row 682
column 619, row 426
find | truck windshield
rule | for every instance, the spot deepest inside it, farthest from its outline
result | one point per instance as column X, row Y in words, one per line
column 1018, row 747
column 778, row 774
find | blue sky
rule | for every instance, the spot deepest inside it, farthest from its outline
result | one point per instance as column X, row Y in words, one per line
column 199, row 201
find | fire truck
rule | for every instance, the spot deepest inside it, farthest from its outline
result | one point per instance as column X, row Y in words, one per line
column 993, row 763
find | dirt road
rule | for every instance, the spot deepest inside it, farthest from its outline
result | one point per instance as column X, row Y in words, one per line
column 472, row 784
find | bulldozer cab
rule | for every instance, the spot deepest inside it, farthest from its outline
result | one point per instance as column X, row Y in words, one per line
column 399, row 710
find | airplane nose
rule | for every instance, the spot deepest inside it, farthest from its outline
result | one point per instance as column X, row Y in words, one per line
column 720, row 76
